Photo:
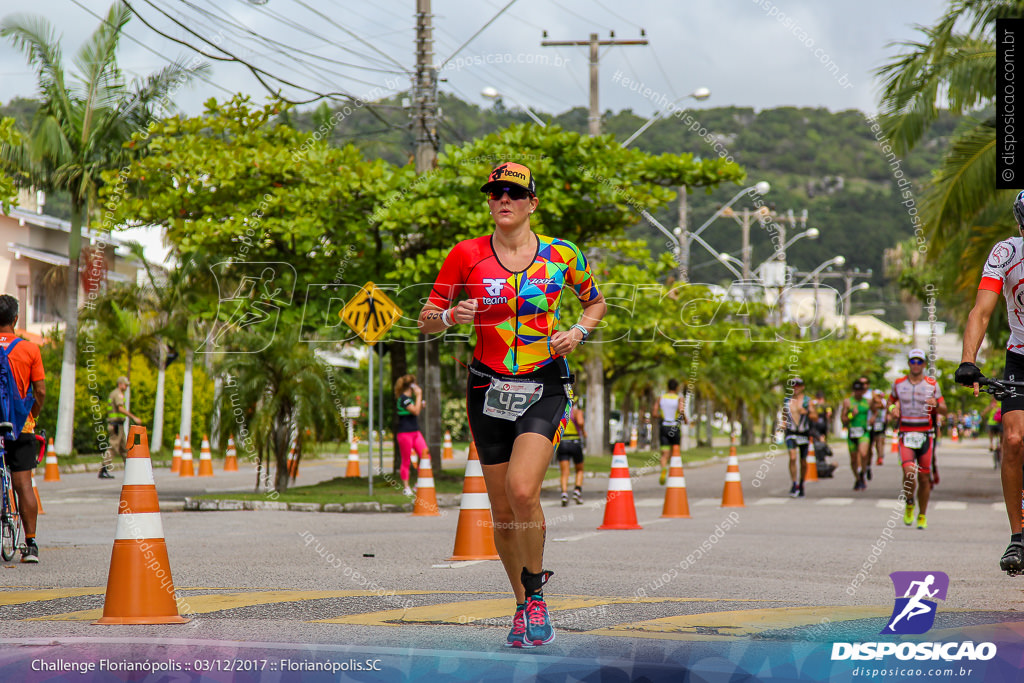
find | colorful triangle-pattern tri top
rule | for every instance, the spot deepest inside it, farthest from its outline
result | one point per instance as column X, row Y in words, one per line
column 517, row 312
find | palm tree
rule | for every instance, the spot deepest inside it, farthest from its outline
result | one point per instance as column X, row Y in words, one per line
column 80, row 131
column 278, row 392
column 954, row 65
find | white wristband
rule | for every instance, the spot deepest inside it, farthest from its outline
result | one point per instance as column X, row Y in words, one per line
column 446, row 317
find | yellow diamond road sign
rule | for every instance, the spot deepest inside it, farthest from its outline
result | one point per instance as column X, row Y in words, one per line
column 370, row 313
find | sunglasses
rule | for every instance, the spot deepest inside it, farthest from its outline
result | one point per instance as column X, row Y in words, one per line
column 513, row 191
column 916, row 361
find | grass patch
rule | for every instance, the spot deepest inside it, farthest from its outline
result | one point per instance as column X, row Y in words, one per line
column 350, row 490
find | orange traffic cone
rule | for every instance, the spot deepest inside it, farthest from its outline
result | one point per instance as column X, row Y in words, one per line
column 732, row 492
column 474, row 536
column 895, row 443
column 231, row 457
column 139, row 586
column 353, row 458
column 447, row 452
column 52, row 472
column 186, row 469
column 676, row 503
column 293, row 463
column 205, row 460
column 811, row 473
column 955, row 435
column 633, row 436
column 620, row 511
column 176, row 455
column 426, row 498
column 35, row 490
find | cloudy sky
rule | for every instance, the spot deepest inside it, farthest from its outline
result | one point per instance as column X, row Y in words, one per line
column 751, row 53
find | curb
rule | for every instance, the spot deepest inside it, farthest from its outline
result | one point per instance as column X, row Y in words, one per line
column 196, row 505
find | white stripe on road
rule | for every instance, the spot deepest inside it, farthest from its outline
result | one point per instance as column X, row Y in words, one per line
column 706, row 502
column 950, row 505
column 771, row 501
column 835, row 501
column 575, row 538
column 457, row 565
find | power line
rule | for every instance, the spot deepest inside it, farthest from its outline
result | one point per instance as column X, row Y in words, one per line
column 481, row 30
column 263, row 9
column 334, row 23
column 256, row 71
column 149, row 49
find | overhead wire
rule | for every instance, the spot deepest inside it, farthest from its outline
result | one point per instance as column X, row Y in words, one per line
column 259, row 73
column 357, row 37
column 138, row 42
column 264, row 9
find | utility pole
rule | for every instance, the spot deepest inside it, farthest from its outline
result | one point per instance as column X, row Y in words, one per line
column 425, row 127
column 594, row 414
column 684, row 239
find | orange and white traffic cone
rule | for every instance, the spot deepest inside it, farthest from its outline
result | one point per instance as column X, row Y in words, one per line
column 895, row 443
column 620, row 510
column 176, row 455
column 52, row 472
column 447, row 451
column 633, row 438
column 474, row 536
column 811, row 473
column 954, row 435
column 35, row 490
column 426, row 497
column 231, row 457
column 676, row 503
column 205, row 460
column 732, row 492
column 352, row 470
column 186, row 469
column 293, row 463
column 139, row 586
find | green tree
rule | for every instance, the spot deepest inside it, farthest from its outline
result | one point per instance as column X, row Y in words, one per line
column 76, row 134
column 954, row 63
column 8, row 191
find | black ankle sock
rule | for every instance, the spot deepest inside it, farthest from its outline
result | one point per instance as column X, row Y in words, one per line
column 1015, row 538
column 533, row 584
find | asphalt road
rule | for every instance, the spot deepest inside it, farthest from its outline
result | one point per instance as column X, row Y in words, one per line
column 764, row 589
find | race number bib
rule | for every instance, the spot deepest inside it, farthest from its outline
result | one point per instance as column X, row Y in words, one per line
column 509, row 400
column 856, row 432
column 914, row 440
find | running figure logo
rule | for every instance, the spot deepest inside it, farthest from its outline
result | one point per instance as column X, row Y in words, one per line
column 913, row 612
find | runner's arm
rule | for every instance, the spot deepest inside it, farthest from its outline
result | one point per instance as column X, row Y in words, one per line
column 39, row 391
column 977, row 323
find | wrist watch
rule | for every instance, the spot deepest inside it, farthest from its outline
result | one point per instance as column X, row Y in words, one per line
column 582, row 330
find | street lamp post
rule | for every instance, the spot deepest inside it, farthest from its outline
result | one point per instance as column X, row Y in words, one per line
column 815, row 276
column 844, row 300
column 698, row 94
column 492, row 93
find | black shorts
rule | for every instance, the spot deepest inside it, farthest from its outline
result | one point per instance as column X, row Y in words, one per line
column 24, row 454
column 670, row 435
column 570, row 449
column 1014, row 371
column 494, row 436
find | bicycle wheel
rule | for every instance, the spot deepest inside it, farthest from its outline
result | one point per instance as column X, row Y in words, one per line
column 9, row 534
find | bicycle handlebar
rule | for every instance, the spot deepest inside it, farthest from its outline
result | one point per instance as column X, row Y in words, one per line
column 1000, row 389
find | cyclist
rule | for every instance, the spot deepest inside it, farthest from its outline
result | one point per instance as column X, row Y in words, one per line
column 854, row 416
column 1003, row 273
column 670, row 409
column 797, row 415
column 916, row 401
column 519, row 392
column 23, row 454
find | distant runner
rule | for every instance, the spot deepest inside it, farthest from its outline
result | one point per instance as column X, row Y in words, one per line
column 916, row 400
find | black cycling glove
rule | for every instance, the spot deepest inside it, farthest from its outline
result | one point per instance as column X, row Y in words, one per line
column 967, row 374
